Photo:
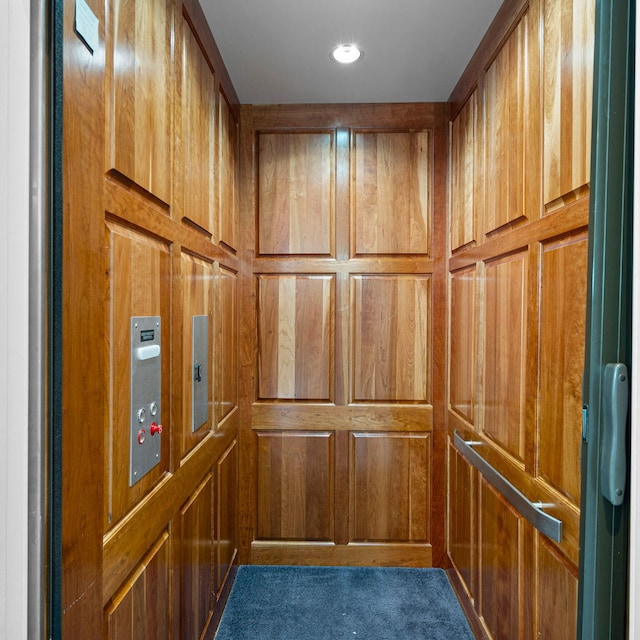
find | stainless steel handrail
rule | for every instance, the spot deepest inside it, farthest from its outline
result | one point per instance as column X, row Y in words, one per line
column 532, row 511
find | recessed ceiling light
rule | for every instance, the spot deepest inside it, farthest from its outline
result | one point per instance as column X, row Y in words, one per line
column 347, row 53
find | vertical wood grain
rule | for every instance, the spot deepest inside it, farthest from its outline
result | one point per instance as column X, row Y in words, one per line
column 148, row 589
column 563, row 286
column 500, row 565
column 198, row 290
column 568, row 87
column 462, row 227
column 505, row 353
column 462, row 355
column 227, row 171
column 139, row 285
column 557, row 595
column 196, row 561
column 84, row 356
column 140, row 94
column 390, row 487
column 295, row 486
column 505, row 94
column 226, row 514
column 392, row 189
column 391, row 338
column 296, row 183
column 226, row 374
column 295, row 336
column 462, row 519
column 198, row 133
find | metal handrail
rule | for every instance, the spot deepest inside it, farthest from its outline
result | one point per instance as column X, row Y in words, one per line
column 532, row 511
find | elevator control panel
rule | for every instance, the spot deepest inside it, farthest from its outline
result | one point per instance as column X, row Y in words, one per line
column 146, row 415
column 200, row 379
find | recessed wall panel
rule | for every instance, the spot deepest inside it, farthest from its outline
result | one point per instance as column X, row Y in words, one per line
column 198, row 295
column 295, row 193
column 295, row 332
column 227, row 344
column 392, row 192
column 505, row 352
column 139, row 69
column 568, row 87
column 506, row 95
column 390, row 487
column 500, row 570
column 462, row 332
column 196, row 561
column 148, row 589
column 138, row 285
column 463, row 175
column 563, row 287
column 391, row 338
column 295, row 485
column 198, row 133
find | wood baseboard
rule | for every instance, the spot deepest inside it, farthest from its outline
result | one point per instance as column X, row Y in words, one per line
column 329, row 554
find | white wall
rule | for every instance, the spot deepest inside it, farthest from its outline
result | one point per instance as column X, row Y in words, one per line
column 14, row 255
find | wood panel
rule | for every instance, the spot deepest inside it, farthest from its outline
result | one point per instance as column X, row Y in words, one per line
column 197, row 279
column 462, row 227
column 198, row 133
column 196, row 561
column 295, row 193
column 505, row 94
column 139, row 269
column 226, row 539
column 563, row 286
column 383, row 370
column 391, row 338
column 226, row 374
column 127, row 248
column 505, row 353
column 462, row 348
column 390, row 487
column 82, row 389
column 530, row 75
column 295, row 486
column 227, row 163
column 139, row 61
column 392, row 187
column 500, row 569
column 147, row 590
column 568, row 88
column 462, row 543
column 295, row 337
column 557, row 595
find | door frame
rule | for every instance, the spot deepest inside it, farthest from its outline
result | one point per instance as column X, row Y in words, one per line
column 634, row 487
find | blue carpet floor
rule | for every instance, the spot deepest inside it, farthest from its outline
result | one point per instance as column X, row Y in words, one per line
column 335, row 603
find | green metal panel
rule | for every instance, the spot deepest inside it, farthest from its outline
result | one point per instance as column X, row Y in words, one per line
column 602, row 606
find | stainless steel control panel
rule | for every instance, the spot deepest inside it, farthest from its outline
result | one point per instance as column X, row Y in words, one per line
column 146, row 410
column 200, row 380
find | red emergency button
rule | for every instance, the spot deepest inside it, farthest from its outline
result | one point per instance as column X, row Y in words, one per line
column 141, row 436
column 155, row 428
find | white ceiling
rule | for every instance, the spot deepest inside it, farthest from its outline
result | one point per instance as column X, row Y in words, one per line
column 278, row 51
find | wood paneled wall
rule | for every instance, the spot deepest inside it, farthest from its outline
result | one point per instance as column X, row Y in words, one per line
column 150, row 228
column 519, row 199
column 342, row 370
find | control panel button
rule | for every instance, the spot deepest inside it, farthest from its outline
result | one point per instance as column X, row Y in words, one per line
column 142, row 434
column 155, row 428
column 153, row 408
column 142, row 415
